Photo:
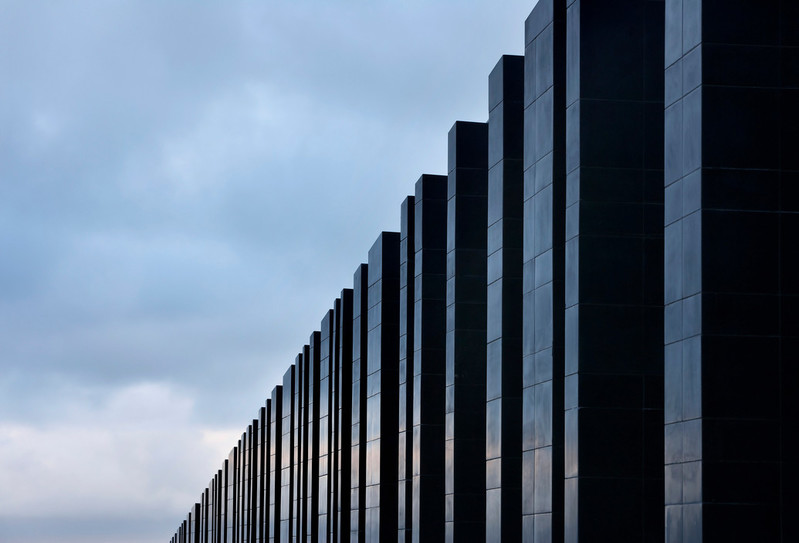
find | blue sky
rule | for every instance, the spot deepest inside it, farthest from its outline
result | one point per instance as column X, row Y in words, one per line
column 185, row 187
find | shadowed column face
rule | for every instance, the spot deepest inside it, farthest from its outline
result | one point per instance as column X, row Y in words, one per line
column 613, row 386
column 544, row 271
column 466, row 332
column 731, row 293
column 504, row 301
column 382, row 389
column 429, row 321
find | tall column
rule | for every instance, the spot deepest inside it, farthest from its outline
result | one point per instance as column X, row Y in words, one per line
column 276, row 463
column 406, row 304
column 382, row 384
column 265, row 471
column 230, row 507
column 614, row 260
column 311, row 511
column 466, row 332
column 343, row 318
column 731, row 269
column 300, row 444
column 287, row 456
column 359, row 361
column 504, row 301
column 544, row 270
column 262, row 455
column 326, row 390
column 429, row 357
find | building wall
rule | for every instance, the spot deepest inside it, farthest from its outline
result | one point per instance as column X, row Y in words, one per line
column 587, row 330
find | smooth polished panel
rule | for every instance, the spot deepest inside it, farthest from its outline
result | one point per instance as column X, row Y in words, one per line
column 344, row 443
column 467, row 212
column 406, row 372
column 504, row 301
column 382, row 396
column 544, row 272
column 360, row 310
column 727, row 273
column 614, row 278
column 429, row 318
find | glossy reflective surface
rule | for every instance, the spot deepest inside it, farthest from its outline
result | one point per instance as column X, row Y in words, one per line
column 615, row 248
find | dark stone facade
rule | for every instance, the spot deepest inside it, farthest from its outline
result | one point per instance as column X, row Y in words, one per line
column 588, row 330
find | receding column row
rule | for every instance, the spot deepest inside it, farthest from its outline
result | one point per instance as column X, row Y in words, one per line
column 615, row 247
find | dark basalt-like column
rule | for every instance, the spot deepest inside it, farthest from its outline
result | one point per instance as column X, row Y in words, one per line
column 300, row 444
column 382, row 384
column 614, row 260
column 264, row 472
column 230, row 502
column 311, row 469
column 504, row 301
column 405, row 438
column 276, row 463
column 731, row 270
column 238, row 468
column 544, row 271
column 429, row 357
column 325, row 407
column 465, row 408
column 287, row 476
column 343, row 318
column 359, row 361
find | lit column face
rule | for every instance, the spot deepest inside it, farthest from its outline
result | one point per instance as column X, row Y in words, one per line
column 326, row 394
column 544, row 271
column 382, row 385
column 287, row 456
column 504, row 301
column 275, row 466
column 359, row 360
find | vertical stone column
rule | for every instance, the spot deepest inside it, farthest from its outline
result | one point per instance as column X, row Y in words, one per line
column 276, row 463
column 238, row 499
column 504, row 301
column 544, row 270
column 311, row 498
column 262, row 485
column 252, row 475
column 429, row 357
column 731, row 288
column 230, row 496
column 325, row 462
column 382, row 389
column 466, row 332
column 614, row 250
column 266, row 469
column 359, row 361
column 299, row 518
column 287, row 456
column 344, row 417
column 405, row 438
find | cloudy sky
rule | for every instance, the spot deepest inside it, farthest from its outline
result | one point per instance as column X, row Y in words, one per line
column 185, row 188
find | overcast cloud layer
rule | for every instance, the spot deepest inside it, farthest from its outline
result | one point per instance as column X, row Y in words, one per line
column 185, row 188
